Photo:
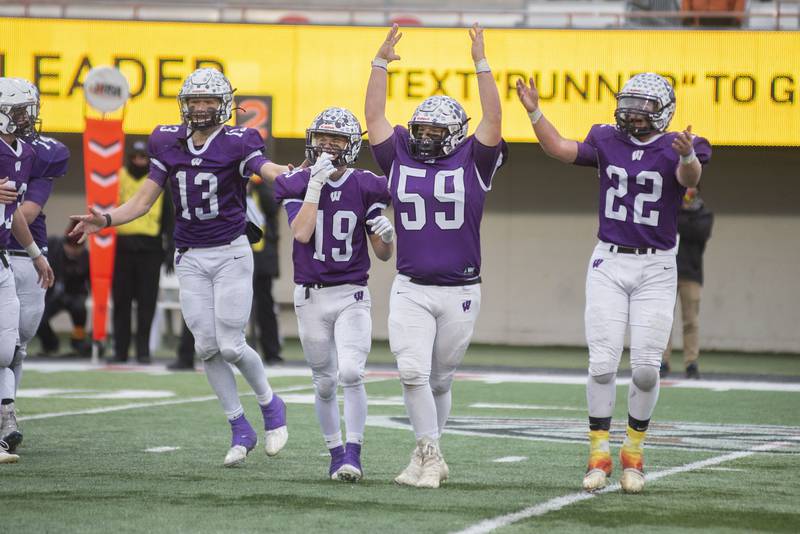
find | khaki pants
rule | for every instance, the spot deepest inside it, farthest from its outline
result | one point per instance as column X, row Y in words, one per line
column 689, row 294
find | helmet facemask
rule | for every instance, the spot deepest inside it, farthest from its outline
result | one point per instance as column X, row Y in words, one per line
column 314, row 148
column 201, row 119
column 630, row 108
column 441, row 112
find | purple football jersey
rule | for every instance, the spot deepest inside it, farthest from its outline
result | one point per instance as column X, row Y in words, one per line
column 338, row 251
column 15, row 164
column 208, row 183
column 438, row 206
column 639, row 191
column 51, row 161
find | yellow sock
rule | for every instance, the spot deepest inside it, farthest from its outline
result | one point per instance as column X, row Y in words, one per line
column 632, row 453
column 599, row 451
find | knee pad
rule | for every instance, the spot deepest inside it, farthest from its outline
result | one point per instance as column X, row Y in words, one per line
column 232, row 352
column 205, row 348
column 441, row 383
column 350, row 375
column 412, row 376
column 325, row 386
column 645, row 377
column 606, row 378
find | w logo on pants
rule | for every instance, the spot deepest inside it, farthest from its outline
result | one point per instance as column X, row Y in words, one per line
column 359, row 296
column 466, row 305
column 596, row 263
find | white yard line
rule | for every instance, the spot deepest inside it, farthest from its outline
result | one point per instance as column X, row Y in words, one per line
column 553, row 505
column 138, row 405
column 502, row 406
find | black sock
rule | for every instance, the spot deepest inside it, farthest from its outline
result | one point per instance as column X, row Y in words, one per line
column 7, row 401
column 638, row 425
column 599, row 423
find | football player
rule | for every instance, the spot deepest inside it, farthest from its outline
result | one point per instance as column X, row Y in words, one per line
column 208, row 165
column 51, row 161
column 644, row 171
column 334, row 211
column 438, row 177
column 18, row 108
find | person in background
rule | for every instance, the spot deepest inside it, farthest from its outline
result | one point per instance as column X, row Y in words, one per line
column 694, row 227
column 70, row 262
column 137, row 264
column 265, row 254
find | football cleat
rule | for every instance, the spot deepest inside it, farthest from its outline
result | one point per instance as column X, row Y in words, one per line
column 632, row 460
column 350, row 470
column 433, row 466
column 410, row 475
column 275, row 425
column 337, row 461
column 600, row 467
column 5, row 456
column 243, row 440
column 9, row 430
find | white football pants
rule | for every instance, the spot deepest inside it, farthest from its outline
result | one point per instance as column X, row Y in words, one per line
column 624, row 289
column 335, row 329
column 9, row 330
column 430, row 328
column 31, row 308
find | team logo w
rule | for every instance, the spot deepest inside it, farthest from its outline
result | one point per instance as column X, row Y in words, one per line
column 637, row 155
column 359, row 296
column 466, row 305
column 596, row 263
column 196, row 161
column 336, row 195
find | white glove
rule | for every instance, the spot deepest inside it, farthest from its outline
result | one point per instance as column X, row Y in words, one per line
column 381, row 226
column 320, row 172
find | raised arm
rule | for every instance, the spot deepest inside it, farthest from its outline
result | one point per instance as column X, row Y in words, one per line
column 379, row 129
column 305, row 222
column 488, row 131
column 552, row 143
column 689, row 168
column 139, row 204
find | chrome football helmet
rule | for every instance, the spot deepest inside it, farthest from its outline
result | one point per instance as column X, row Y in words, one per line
column 19, row 107
column 647, row 95
column 206, row 83
column 442, row 112
column 335, row 121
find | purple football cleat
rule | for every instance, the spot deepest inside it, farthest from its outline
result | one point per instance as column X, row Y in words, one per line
column 350, row 470
column 338, row 456
column 243, row 440
column 275, row 425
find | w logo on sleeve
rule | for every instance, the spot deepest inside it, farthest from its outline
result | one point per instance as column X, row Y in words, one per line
column 359, row 296
column 466, row 305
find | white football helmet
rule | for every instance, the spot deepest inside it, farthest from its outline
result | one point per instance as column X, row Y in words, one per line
column 206, row 83
column 443, row 112
column 335, row 121
column 19, row 107
column 646, row 95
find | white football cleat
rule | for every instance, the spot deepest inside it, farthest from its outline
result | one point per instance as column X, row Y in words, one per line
column 632, row 481
column 275, row 440
column 235, row 456
column 595, row 479
column 434, row 470
column 348, row 473
column 410, row 475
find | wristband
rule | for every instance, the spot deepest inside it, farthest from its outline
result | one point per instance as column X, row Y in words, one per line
column 482, row 66
column 686, row 160
column 33, row 250
column 380, row 63
column 312, row 192
column 535, row 115
column 108, row 219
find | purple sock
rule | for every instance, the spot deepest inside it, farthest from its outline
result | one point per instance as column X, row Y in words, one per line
column 338, row 456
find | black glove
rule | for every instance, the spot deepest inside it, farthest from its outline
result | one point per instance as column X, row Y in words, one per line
column 254, row 233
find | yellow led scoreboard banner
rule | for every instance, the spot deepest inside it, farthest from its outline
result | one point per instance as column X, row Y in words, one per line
column 735, row 87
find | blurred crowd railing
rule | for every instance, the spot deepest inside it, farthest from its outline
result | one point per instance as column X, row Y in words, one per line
column 773, row 15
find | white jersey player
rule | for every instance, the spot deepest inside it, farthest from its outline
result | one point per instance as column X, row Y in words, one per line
column 643, row 172
column 334, row 211
column 208, row 165
column 439, row 178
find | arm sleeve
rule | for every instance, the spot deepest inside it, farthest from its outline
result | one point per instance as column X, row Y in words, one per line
column 253, row 157
column 385, row 153
column 488, row 159
column 51, row 162
column 587, row 150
